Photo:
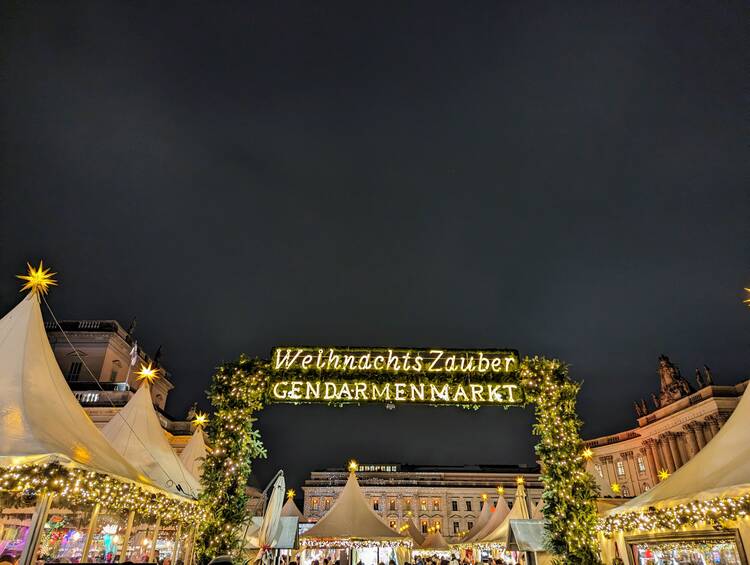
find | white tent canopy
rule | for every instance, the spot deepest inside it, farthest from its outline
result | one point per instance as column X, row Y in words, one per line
column 291, row 509
column 135, row 432
column 720, row 469
column 499, row 513
column 484, row 517
column 414, row 532
column 351, row 517
column 40, row 419
column 519, row 512
column 195, row 453
column 435, row 540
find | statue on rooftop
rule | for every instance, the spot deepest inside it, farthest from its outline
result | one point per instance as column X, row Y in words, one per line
column 673, row 386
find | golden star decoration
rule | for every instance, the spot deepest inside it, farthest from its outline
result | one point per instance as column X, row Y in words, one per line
column 500, row 489
column 663, row 475
column 148, row 373
column 37, row 280
column 615, row 488
column 290, row 493
column 200, row 420
column 519, row 480
column 747, row 300
column 353, row 466
column 587, row 454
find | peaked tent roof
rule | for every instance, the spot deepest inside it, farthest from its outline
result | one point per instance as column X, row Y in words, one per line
column 518, row 512
column 194, row 453
column 290, row 509
column 537, row 513
column 720, row 469
column 498, row 515
column 414, row 532
column 40, row 419
column 351, row 517
column 484, row 516
column 435, row 540
column 135, row 432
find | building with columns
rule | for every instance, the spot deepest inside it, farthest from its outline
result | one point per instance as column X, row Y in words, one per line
column 108, row 352
column 449, row 498
column 682, row 418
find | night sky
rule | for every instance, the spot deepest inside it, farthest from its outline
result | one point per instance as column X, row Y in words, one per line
column 567, row 179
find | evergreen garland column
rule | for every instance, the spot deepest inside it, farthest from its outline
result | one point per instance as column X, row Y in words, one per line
column 237, row 391
column 569, row 491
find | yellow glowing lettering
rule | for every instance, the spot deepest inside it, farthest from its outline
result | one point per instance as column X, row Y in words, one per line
column 306, row 360
column 462, row 393
column 497, row 364
column 383, row 393
column 450, row 364
column 350, row 363
column 330, row 391
column 333, row 360
column 418, row 364
column 400, row 391
column 438, row 355
column 477, row 393
column 494, row 394
column 295, row 390
column 467, row 365
column 319, row 362
column 508, row 362
column 378, row 363
column 417, row 391
column 344, row 390
column 511, row 389
column 276, row 389
column 364, row 362
column 393, row 363
column 360, row 391
column 442, row 393
column 312, row 390
column 483, row 365
column 287, row 360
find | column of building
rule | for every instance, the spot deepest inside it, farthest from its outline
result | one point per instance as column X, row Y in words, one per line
column 691, row 437
column 666, row 455
column 649, row 452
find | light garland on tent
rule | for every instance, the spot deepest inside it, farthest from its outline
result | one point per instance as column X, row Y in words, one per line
column 313, row 543
column 713, row 512
column 78, row 486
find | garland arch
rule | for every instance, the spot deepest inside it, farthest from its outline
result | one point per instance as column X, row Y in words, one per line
column 241, row 389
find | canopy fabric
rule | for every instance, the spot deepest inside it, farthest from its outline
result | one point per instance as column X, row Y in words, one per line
column 720, row 469
column 526, row 535
column 195, row 453
column 537, row 513
column 518, row 512
column 137, row 435
column 414, row 532
column 482, row 520
column 435, row 540
column 290, row 508
column 40, row 419
column 268, row 535
column 499, row 513
column 351, row 517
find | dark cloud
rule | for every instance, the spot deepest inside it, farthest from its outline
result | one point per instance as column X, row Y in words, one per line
column 569, row 180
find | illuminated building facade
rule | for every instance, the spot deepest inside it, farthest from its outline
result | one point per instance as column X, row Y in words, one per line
column 677, row 424
column 450, row 498
column 106, row 347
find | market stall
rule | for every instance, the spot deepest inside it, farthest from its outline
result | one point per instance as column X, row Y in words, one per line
column 352, row 532
column 63, row 487
column 698, row 514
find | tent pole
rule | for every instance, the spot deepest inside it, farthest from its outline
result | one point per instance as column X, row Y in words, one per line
column 176, row 547
column 35, row 529
column 152, row 549
column 126, row 536
column 189, row 546
column 90, row 532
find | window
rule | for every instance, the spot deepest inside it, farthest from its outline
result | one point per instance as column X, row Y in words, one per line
column 481, row 504
column 392, row 504
column 74, row 371
column 625, row 491
column 327, row 504
column 115, row 370
column 469, row 525
column 424, row 526
column 436, row 525
column 456, row 525
column 392, row 524
column 436, row 504
column 454, row 505
column 468, row 505
column 641, row 465
column 375, row 504
column 314, row 503
column 599, row 470
column 423, row 505
column 620, row 469
column 407, row 503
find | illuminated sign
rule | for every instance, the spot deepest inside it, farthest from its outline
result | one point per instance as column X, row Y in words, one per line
column 360, row 375
column 377, row 360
